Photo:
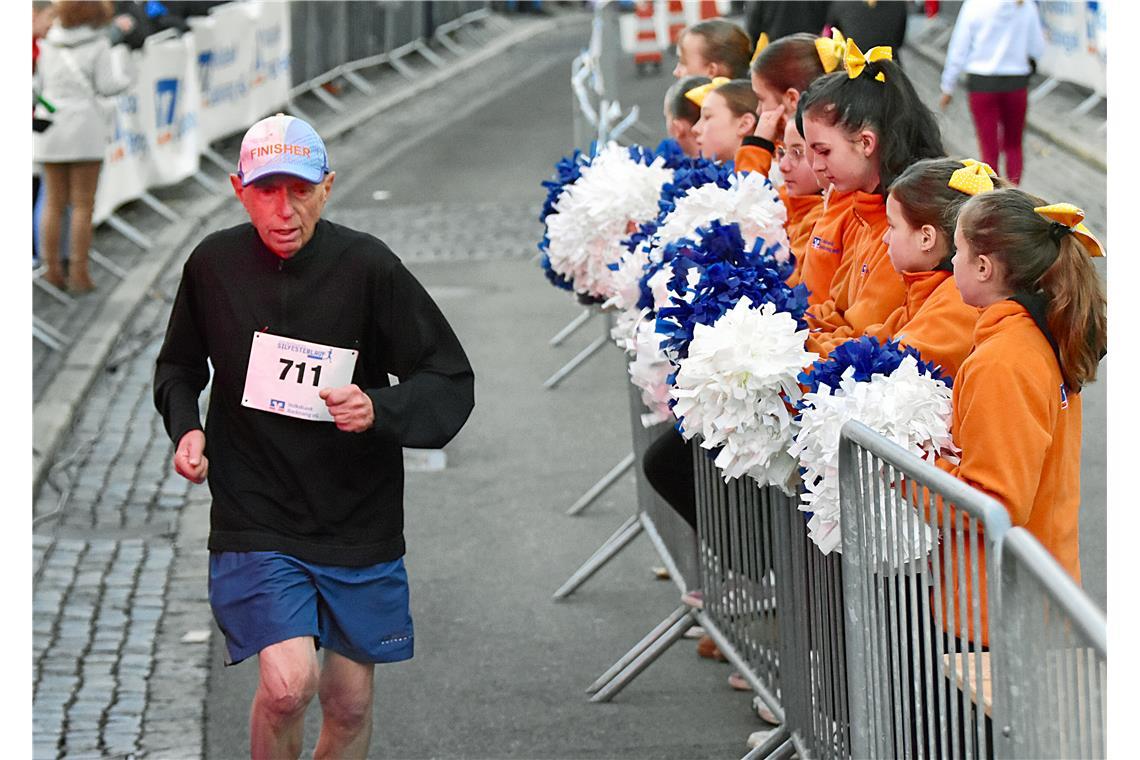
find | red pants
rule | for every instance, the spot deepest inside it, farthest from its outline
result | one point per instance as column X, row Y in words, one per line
column 999, row 119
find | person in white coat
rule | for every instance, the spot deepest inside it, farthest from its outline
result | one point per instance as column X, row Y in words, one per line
column 76, row 72
column 995, row 43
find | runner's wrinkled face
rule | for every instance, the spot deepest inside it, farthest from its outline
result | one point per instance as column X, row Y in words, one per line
column 284, row 209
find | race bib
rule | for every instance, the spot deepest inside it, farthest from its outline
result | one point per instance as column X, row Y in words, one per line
column 285, row 375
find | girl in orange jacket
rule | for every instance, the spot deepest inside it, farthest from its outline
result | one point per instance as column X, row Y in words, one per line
column 1038, row 341
column 922, row 210
column 800, row 194
column 864, row 126
column 780, row 72
column 728, row 113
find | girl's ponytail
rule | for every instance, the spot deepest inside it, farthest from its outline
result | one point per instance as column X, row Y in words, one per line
column 1040, row 256
column 1077, row 312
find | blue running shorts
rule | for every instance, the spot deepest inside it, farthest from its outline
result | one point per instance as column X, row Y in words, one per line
column 262, row 598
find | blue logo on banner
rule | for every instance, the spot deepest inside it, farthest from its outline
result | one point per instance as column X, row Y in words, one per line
column 165, row 103
column 276, row 404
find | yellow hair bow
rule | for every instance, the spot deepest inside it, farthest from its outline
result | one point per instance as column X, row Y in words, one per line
column 856, row 61
column 830, row 50
column 974, row 177
column 1071, row 217
column 760, row 45
column 698, row 93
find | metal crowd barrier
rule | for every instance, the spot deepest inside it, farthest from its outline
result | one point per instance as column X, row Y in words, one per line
column 917, row 603
column 336, row 40
column 1050, row 698
column 737, row 546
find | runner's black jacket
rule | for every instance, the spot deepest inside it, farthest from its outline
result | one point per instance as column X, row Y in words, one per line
column 298, row 486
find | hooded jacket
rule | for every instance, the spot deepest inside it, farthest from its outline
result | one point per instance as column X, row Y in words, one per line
column 82, row 125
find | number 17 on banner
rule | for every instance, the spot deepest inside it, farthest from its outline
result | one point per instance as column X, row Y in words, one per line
column 285, row 375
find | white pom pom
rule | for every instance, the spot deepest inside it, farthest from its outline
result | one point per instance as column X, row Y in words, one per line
column 732, row 389
column 649, row 371
column 749, row 201
column 594, row 214
column 908, row 407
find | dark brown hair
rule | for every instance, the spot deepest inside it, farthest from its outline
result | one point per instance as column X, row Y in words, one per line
column 789, row 62
column 72, row 13
column 679, row 106
column 925, row 197
column 725, row 43
column 740, row 97
column 906, row 128
column 1035, row 257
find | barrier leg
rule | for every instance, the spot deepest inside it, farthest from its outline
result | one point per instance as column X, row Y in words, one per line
column 607, row 551
column 106, row 263
column 569, row 329
column 645, row 659
column 607, row 480
column 161, row 208
column 640, row 647
column 576, row 362
column 59, row 295
column 129, row 232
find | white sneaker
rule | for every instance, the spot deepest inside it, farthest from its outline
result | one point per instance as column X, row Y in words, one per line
column 756, row 738
column 765, row 714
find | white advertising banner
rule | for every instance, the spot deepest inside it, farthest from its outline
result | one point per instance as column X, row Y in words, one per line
column 242, row 52
column 1075, row 43
column 230, row 70
column 168, row 93
column 125, row 170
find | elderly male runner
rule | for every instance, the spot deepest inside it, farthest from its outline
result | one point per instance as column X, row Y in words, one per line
column 302, row 321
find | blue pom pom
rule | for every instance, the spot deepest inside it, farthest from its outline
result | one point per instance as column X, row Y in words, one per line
column 868, row 357
column 727, row 271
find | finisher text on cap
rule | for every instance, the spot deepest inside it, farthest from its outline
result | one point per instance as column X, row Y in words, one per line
column 282, row 144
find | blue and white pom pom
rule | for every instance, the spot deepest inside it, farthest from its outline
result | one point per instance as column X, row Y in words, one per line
column 593, row 215
column 892, row 391
column 735, row 388
column 713, row 273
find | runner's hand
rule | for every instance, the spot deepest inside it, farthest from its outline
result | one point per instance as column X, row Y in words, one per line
column 350, row 408
column 944, row 101
column 768, row 123
column 189, row 458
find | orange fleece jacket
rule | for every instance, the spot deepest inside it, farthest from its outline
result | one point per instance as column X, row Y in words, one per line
column 1020, row 437
column 752, row 158
column 866, row 288
column 934, row 319
column 803, row 211
column 826, row 244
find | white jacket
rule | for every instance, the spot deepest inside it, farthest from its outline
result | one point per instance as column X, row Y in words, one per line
column 83, row 122
column 993, row 38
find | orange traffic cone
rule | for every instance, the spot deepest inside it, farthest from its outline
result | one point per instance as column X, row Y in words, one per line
column 646, row 51
column 709, row 9
column 676, row 18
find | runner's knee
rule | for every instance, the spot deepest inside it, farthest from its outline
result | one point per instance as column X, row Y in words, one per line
column 347, row 707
